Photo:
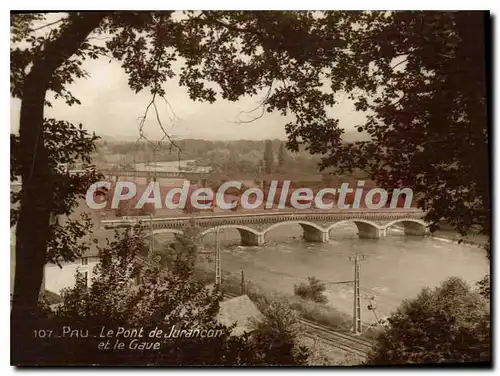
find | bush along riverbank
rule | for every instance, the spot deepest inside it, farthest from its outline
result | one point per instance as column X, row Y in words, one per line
column 448, row 234
column 453, row 237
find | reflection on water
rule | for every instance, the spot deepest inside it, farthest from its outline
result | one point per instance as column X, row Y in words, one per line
column 395, row 267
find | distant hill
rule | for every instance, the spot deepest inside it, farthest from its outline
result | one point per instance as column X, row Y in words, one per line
column 348, row 136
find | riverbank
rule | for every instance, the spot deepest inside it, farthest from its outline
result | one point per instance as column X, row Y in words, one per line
column 321, row 353
column 322, row 314
column 448, row 234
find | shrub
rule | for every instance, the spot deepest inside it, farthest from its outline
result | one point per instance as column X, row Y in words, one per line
column 448, row 324
column 314, row 290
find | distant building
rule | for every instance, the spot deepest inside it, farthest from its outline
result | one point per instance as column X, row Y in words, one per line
column 56, row 278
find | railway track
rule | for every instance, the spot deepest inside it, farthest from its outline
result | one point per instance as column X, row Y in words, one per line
column 347, row 342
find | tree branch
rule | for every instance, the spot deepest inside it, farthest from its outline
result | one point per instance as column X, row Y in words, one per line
column 46, row 25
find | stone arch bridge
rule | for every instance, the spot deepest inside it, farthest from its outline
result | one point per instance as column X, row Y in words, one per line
column 316, row 225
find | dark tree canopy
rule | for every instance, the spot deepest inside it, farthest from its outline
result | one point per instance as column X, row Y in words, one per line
column 162, row 299
column 277, row 335
column 66, row 144
column 224, row 54
column 448, row 324
column 420, row 77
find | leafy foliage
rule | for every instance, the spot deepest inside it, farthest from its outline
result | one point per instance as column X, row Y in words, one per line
column 484, row 286
column 237, row 51
column 181, row 256
column 122, row 261
column 276, row 337
column 67, row 145
column 69, row 241
column 313, row 290
column 161, row 300
column 448, row 324
column 421, row 79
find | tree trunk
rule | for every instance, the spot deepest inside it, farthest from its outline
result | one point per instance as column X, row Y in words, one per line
column 32, row 230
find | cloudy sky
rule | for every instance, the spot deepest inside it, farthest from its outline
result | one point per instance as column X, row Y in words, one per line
column 111, row 109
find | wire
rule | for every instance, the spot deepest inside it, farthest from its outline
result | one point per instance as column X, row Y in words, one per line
column 337, row 283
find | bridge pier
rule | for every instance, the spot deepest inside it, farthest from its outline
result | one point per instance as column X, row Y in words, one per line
column 414, row 229
column 251, row 239
column 366, row 231
column 312, row 234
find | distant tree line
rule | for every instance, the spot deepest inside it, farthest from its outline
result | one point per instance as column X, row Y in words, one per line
column 242, row 156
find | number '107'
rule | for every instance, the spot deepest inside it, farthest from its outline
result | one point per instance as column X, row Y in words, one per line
column 42, row 333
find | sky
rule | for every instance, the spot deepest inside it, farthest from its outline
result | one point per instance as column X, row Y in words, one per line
column 112, row 110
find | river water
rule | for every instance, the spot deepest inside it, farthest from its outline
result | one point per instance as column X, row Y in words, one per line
column 394, row 268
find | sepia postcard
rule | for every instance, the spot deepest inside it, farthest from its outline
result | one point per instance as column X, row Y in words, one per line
column 250, row 188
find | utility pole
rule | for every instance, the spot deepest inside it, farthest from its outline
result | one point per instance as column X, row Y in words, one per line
column 372, row 307
column 242, row 283
column 356, row 323
column 151, row 236
column 218, row 277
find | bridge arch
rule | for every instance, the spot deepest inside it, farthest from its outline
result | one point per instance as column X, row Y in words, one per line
column 159, row 231
column 312, row 232
column 248, row 235
column 366, row 229
column 412, row 226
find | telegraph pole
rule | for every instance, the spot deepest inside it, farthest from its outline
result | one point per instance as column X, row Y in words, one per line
column 356, row 323
column 151, row 235
column 372, row 307
column 218, row 277
column 242, row 283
